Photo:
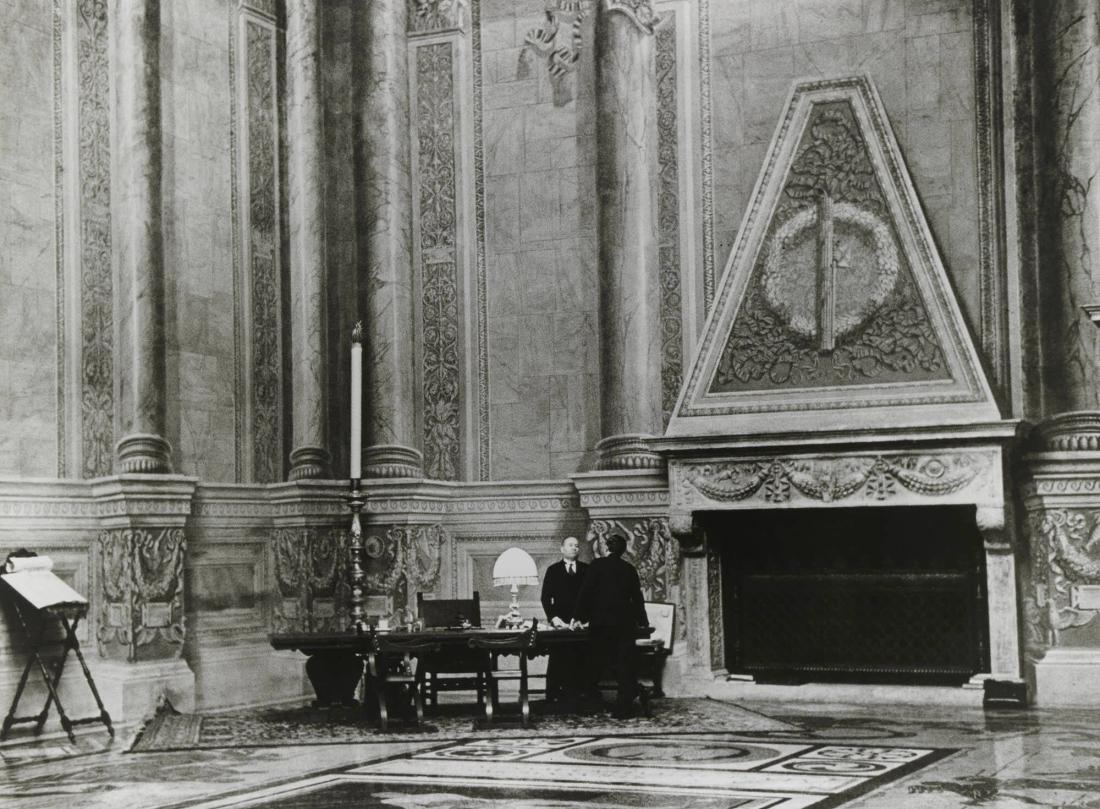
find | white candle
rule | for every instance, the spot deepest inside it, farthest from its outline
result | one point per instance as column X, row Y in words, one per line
column 356, row 398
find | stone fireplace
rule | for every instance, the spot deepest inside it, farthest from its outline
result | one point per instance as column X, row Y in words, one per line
column 836, row 373
column 958, row 487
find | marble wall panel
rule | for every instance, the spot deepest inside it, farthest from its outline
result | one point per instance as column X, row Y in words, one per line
column 919, row 54
column 196, row 104
column 28, row 270
column 540, row 243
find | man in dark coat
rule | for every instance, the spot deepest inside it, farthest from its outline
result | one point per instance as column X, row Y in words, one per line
column 559, row 596
column 612, row 604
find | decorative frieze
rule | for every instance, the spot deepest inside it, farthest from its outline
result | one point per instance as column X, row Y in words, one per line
column 865, row 479
column 436, row 203
column 141, row 598
column 97, row 398
column 668, row 216
column 257, row 229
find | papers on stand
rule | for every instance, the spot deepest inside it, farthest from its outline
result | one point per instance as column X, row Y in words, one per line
column 32, row 577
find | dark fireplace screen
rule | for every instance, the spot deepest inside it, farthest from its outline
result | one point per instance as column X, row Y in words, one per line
column 859, row 594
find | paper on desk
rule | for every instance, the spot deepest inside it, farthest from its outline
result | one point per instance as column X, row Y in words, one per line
column 42, row 588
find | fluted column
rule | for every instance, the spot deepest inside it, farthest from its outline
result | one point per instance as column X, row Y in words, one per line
column 305, row 193
column 385, row 242
column 630, row 329
column 140, row 243
column 1069, row 118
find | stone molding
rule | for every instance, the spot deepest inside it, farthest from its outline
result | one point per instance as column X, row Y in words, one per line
column 609, row 494
column 628, row 452
column 1077, row 431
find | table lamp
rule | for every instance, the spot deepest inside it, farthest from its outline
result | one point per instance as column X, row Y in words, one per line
column 515, row 567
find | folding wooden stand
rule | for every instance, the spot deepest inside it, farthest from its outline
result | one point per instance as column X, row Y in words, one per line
column 68, row 615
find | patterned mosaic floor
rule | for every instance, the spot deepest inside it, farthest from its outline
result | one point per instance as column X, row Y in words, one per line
column 857, row 757
column 702, row 772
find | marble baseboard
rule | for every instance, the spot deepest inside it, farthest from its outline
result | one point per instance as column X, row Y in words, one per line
column 274, row 677
column 1065, row 677
column 843, row 693
column 130, row 691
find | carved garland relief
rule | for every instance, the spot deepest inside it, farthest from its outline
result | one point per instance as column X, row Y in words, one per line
column 141, row 613
column 652, row 551
column 856, row 316
column 873, row 477
column 1065, row 552
column 668, row 217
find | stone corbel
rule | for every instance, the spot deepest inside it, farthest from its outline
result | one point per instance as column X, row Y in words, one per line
column 991, row 525
column 692, row 539
column 640, row 12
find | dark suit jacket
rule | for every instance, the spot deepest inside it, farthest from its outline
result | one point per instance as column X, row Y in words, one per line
column 611, row 595
column 559, row 590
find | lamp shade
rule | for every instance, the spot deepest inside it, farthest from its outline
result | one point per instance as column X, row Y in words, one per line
column 515, row 566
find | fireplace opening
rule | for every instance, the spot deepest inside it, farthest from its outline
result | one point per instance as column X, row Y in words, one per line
column 885, row 594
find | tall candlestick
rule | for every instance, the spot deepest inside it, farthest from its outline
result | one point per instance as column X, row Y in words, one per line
column 356, row 399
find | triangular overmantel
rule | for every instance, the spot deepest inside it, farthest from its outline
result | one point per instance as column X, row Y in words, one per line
column 834, row 312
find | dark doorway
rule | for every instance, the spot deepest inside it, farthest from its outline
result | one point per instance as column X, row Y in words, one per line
column 891, row 594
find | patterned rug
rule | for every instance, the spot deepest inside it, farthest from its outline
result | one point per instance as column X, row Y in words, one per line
column 169, row 730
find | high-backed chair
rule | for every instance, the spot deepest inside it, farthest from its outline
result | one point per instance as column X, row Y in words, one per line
column 457, row 671
column 491, row 649
column 391, row 662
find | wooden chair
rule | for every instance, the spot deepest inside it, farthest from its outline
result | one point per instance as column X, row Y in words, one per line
column 390, row 662
column 456, row 671
column 491, row 676
column 654, row 650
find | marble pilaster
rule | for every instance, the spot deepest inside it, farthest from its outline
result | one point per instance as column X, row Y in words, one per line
column 385, row 240
column 1069, row 114
column 305, row 193
column 630, row 332
column 139, row 246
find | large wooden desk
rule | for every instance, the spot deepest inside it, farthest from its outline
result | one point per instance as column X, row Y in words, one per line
column 336, row 659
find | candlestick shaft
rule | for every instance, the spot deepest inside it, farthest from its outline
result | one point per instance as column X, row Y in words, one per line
column 356, row 449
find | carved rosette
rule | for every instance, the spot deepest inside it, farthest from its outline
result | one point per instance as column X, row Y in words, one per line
column 639, row 12
column 402, row 560
column 311, row 588
column 653, row 552
column 141, row 615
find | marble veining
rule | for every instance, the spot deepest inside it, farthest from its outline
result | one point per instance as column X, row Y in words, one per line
column 389, row 363
column 305, row 195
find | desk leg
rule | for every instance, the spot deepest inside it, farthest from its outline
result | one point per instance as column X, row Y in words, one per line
column 334, row 677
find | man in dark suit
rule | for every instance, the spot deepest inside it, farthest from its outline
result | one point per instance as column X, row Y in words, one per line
column 559, row 596
column 612, row 604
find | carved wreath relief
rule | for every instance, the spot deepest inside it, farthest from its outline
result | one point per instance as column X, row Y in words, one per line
column 832, row 299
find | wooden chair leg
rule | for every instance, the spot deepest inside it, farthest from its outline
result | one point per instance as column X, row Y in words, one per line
column 383, row 716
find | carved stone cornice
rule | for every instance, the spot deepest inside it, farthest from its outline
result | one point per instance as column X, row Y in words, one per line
column 639, row 12
column 626, row 493
column 54, row 500
column 136, row 499
column 232, row 500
